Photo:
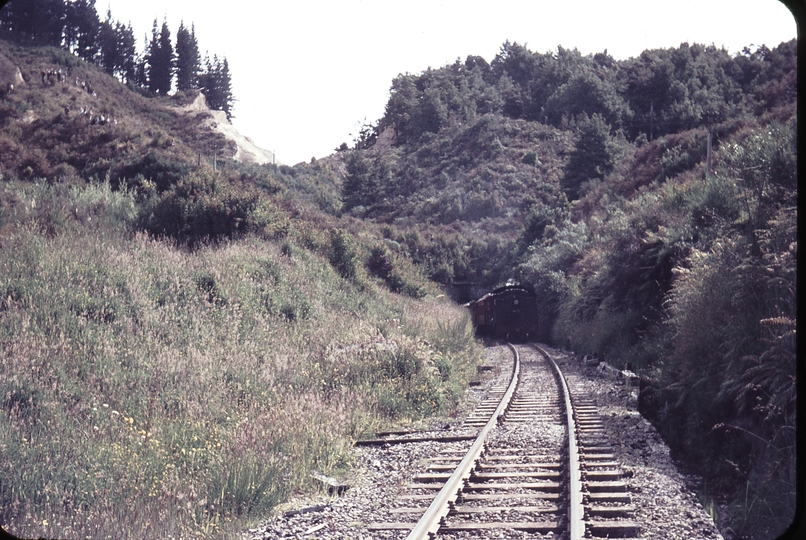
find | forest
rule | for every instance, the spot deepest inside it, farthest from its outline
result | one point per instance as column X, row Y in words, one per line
column 173, row 324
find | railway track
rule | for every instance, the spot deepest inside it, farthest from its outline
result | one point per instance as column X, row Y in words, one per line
column 540, row 464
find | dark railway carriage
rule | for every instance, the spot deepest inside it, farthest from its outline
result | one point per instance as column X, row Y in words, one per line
column 507, row 313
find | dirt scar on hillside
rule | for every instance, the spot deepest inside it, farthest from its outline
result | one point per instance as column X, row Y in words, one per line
column 247, row 150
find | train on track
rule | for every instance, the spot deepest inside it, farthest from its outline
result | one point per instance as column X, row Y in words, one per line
column 508, row 313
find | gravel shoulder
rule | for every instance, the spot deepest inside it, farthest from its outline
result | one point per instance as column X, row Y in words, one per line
column 666, row 507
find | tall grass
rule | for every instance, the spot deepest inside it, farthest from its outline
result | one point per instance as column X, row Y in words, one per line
column 151, row 391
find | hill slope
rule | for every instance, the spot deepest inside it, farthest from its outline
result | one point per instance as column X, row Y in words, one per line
column 588, row 180
column 91, row 125
column 174, row 335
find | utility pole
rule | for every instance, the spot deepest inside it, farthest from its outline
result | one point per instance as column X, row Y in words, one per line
column 651, row 118
column 710, row 118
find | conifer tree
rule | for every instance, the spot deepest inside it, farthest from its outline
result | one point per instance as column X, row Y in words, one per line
column 151, row 50
column 225, row 89
column 216, row 85
column 188, row 61
column 127, row 53
column 81, row 29
column 38, row 21
column 141, row 67
column 108, row 45
column 592, row 158
column 160, row 60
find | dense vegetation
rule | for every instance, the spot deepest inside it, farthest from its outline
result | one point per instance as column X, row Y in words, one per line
column 189, row 298
column 585, row 178
column 182, row 344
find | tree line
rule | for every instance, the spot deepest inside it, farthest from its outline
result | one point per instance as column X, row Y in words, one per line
column 659, row 92
column 601, row 100
column 75, row 25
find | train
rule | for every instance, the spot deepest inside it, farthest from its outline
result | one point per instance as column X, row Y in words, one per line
column 508, row 313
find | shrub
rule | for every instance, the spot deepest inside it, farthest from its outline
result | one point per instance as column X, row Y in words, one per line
column 202, row 207
column 682, row 153
column 163, row 171
column 381, row 263
column 343, row 254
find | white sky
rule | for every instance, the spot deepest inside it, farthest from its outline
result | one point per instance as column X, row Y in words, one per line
column 307, row 73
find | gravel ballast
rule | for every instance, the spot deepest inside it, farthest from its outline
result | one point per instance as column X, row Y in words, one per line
column 664, row 506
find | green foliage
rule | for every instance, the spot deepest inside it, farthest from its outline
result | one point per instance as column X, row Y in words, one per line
column 587, row 94
column 41, row 21
column 360, row 187
column 690, row 278
column 216, row 85
column 765, row 164
column 62, row 209
column 155, row 167
column 201, row 207
column 682, row 153
column 735, row 317
column 143, row 377
column 548, row 259
column 188, row 61
column 692, row 281
column 160, row 60
column 593, row 156
column 383, row 264
column 343, row 254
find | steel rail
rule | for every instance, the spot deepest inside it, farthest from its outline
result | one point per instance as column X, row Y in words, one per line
column 576, row 510
column 431, row 521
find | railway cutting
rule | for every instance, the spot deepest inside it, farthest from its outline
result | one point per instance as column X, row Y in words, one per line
column 540, row 464
column 508, row 470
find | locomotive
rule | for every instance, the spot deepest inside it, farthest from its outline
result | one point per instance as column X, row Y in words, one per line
column 508, row 313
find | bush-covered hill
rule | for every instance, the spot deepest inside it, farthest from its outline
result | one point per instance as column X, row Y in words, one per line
column 587, row 179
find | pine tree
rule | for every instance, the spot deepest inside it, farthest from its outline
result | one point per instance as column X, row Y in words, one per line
column 37, row 21
column 108, row 45
column 150, row 56
column 592, row 158
column 216, row 85
column 127, row 53
column 225, row 89
column 81, row 29
column 160, row 59
column 360, row 186
column 188, row 61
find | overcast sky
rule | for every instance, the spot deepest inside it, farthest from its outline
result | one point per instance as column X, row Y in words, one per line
column 307, row 73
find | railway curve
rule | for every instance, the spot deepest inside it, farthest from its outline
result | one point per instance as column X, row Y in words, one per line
column 519, row 485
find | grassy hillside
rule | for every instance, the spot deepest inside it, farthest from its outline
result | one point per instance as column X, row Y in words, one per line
column 91, row 125
column 181, row 347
